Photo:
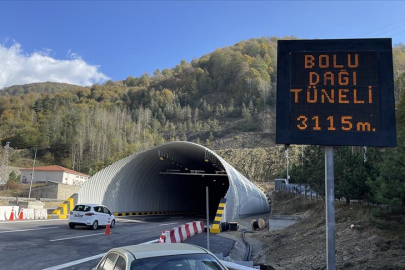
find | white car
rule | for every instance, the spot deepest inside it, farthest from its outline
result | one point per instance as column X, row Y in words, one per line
column 93, row 215
column 161, row 256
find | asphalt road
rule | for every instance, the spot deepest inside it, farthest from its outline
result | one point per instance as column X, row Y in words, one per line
column 52, row 245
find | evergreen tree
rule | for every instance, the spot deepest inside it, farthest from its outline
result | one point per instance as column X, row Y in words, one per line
column 350, row 175
column 389, row 187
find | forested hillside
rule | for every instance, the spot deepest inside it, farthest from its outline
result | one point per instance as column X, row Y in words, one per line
column 224, row 100
column 221, row 94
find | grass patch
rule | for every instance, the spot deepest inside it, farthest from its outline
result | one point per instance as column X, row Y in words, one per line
column 247, row 127
column 14, row 189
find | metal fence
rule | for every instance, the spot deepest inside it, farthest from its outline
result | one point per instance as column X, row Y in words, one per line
column 298, row 189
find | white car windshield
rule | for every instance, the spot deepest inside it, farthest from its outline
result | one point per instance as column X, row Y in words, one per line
column 178, row 262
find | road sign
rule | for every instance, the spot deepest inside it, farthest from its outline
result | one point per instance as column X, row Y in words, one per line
column 335, row 92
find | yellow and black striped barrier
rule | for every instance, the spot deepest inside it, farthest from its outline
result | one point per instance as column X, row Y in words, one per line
column 63, row 210
column 217, row 221
column 143, row 213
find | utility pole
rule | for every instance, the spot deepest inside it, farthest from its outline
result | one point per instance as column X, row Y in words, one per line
column 4, row 165
column 33, row 166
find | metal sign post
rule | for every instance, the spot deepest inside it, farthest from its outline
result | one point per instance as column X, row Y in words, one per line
column 208, row 221
column 330, row 208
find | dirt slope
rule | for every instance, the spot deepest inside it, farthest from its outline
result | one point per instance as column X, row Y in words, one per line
column 303, row 245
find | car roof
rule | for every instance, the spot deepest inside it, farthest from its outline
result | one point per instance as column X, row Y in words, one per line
column 161, row 249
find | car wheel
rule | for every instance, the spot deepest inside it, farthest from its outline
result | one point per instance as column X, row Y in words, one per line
column 95, row 225
column 112, row 225
column 72, row 226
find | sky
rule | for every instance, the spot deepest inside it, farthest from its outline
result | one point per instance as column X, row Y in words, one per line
column 88, row 42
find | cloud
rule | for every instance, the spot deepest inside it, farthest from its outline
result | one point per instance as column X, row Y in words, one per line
column 16, row 68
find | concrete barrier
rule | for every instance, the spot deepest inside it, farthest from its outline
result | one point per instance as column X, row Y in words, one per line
column 28, row 213
column 2, row 215
column 7, row 211
column 41, row 214
column 182, row 232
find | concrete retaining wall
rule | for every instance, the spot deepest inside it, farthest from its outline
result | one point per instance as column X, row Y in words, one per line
column 53, row 190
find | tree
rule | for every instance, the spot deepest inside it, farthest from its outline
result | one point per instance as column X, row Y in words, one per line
column 13, row 177
column 350, row 175
column 311, row 170
column 389, row 187
column 131, row 81
column 264, row 90
column 145, row 80
column 246, row 114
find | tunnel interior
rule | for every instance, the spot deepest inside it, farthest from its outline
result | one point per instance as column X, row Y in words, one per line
column 194, row 192
column 193, row 174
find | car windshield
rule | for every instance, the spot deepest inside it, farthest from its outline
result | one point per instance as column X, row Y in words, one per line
column 178, row 262
column 82, row 208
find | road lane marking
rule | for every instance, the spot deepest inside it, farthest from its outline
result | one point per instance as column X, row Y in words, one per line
column 75, row 237
column 65, row 265
column 33, row 220
column 48, row 228
column 129, row 220
column 152, row 241
column 168, row 224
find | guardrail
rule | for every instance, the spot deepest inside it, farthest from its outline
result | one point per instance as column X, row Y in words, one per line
column 25, row 199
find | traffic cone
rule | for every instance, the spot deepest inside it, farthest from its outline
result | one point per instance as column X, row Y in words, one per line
column 107, row 229
column 21, row 216
column 12, row 214
column 162, row 238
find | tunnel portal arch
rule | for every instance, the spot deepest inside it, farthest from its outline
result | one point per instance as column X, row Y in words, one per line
column 173, row 177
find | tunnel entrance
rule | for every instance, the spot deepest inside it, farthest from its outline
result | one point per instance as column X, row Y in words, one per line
column 193, row 192
column 172, row 178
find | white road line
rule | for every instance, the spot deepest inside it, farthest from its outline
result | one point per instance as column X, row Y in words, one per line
column 31, row 220
column 48, row 228
column 75, row 237
column 129, row 220
column 168, row 224
column 150, row 242
column 65, row 265
column 61, row 266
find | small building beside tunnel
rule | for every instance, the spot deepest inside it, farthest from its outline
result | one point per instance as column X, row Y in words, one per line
column 173, row 178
